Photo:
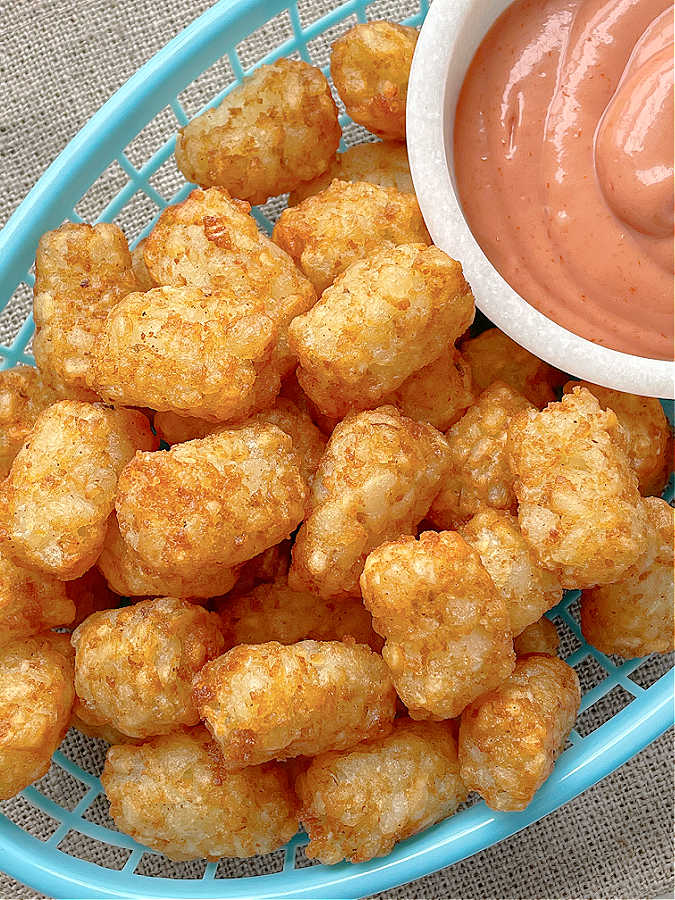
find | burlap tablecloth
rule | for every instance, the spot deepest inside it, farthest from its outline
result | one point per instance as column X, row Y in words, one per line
column 59, row 61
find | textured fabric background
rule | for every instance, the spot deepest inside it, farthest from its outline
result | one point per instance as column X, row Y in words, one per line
column 59, row 61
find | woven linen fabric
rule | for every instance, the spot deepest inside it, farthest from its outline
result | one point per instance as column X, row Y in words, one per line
column 59, row 61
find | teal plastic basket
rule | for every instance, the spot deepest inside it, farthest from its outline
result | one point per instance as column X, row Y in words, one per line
column 58, row 838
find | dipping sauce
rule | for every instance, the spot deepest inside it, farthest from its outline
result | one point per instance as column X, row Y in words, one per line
column 564, row 164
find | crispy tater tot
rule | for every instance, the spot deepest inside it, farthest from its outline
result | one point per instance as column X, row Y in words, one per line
column 175, row 429
column 579, row 504
column 479, row 473
column 134, row 666
column 647, row 431
column 446, row 627
column 386, row 317
column 356, row 804
column 264, row 568
column 509, row 738
column 528, row 589
column 36, row 697
column 174, row 794
column 91, row 725
column 290, row 388
column 81, row 272
column 210, row 241
column 277, row 129
column 270, row 701
column 347, row 221
column 375, row 482
column 275, row 612
column 439, row 394
column 539, row 637
column 61, row 487
column 370, row 66
column 216, row 501
column 23, row 396
column 634, row 616
column 191, row 351
column 145, row 280
column 30, row 601
column 382, row 162
column 495, row 357
column 89, row 593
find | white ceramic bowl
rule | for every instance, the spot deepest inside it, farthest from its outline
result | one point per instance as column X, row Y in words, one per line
column 450, row 36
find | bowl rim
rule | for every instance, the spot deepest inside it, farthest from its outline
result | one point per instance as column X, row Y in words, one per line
column 427, row 124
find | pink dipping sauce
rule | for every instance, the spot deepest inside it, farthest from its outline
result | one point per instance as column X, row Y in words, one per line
column 564, row 164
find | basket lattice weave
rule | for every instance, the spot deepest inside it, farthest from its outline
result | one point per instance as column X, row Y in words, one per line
column 57, row 836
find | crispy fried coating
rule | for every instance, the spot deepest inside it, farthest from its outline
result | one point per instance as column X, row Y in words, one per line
column 648, row 433
column 81, row 272
column 347, row 221
column 23, row 396
column 634, row 616
column 190, row 351
column 143, row 277
column 272, row 132
column 510, row 737
column 275, row 612
column 134, row 666
column 93, row 726
column 439, row 394
column 89, row 594
column 36, row 697
column 290, row 388
column 30, row 601
column 174, row 794
column 495, row 357
column 128, row 575
column 176, row 429
column 356, row 804
column 382, row 162
column 210, row 241
column 446, row 627
column 370, row 66
column 479, row 473
column 375, row 482
column 386, row 317
column 539, row 637
column 271, row 701
column 61, row 488
column 217, row 501
column 579, row 504
column 528, row 589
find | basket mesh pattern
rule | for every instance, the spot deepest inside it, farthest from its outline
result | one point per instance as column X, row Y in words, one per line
column 66, row 811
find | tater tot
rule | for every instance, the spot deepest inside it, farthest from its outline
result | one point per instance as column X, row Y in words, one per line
column 290, row 388
column 528, row 589
column 36, row 697
column 145, row 280
column 30, row 601
column 347, row 221
column 89, row 594
column 174, row 794
column 370, row 66
column 216, row 501
column 81, row 272
column 270, row 701
column 23, row 396
column 61, row 488
column 356, row 804
column 264, row 568
column 382, row 162
column 130, row 576
column 634, row 616
column 191, row 351
column 375, row 482
column 91, row 725
column 134, row 666
column 276, row 129
column 539, row 637
column 386, row 317
column 439, row 394
column 479, row 473
column 495, row 357
column 579, row 504
column 210, row 241
column 509, row 738
column 446, row 627
column 275, row 612
column 648, row 433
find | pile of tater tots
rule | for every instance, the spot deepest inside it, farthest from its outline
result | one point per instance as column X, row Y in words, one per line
column 337, row 511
